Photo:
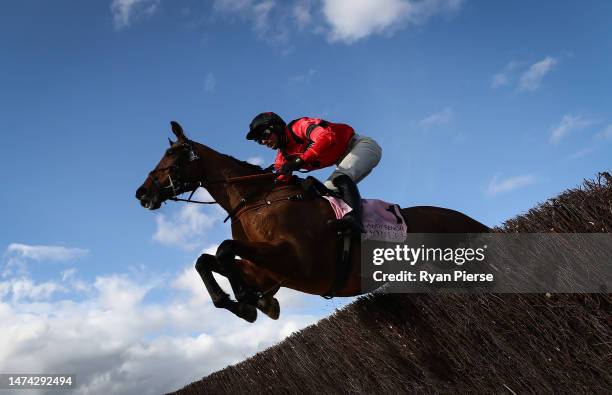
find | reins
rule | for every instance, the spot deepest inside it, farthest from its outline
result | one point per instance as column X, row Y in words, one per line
column 241, row 204
column 186, row 186
column 224, row 181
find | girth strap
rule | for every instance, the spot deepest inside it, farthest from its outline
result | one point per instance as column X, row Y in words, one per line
column 343, row 264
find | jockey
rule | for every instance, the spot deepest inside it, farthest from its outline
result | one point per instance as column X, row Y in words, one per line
column 312, row 143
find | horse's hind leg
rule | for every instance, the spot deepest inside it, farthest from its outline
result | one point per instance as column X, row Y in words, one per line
column 205, row 265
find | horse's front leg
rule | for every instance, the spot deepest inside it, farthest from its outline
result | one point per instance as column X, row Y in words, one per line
column 271, row 256
column 205, row 265
column 226, row 256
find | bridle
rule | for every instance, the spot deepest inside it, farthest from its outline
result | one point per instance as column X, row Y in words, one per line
column 177, row 186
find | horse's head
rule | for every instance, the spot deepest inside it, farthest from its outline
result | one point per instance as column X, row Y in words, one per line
column 174, row 174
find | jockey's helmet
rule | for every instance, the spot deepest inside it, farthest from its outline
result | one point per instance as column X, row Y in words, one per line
column 266, row 122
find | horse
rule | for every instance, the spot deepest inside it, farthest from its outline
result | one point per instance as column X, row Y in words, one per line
column 281, row 234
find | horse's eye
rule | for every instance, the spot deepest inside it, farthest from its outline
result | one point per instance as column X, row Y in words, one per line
column 169, row 151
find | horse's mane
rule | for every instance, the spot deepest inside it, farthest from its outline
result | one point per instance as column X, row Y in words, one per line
column 255, row 168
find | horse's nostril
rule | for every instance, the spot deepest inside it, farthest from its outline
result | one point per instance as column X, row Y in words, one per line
column 141, row 192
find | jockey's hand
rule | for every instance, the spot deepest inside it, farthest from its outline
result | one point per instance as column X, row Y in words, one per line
column 282, row 179
column 289, row 166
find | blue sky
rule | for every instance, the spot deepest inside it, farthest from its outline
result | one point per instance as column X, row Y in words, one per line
column 484, row 107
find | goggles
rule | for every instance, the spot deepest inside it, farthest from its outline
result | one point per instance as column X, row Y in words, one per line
column 265, row 135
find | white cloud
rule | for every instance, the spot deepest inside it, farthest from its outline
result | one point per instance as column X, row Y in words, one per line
column 439, row 118
column 256, row 160
column 124, row 10
column 210, row 83
column 582, row 152
column 18, row 256
column 302, row 77
column 526, row 78
column 261, row 13
column 503, row 77
column 302, row 14
column 187, row 227
column 531, row 79
column 232, row 5
column 266, row 16
column 119, row 293
column 189, row 280
column 352, row 20
column 45, row 253
column 68, row 274
column 499, row 79
column 25, row 289
column 344, row 20
column 117, row 342
column 599, row 139
column 268, row 22
column 497, row 186
column 606, row 133
column 568, row 124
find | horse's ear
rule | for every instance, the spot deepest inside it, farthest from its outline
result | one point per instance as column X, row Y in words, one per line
column 178, row 131
column 170, row 142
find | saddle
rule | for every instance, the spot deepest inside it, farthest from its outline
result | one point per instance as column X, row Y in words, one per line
column 315, row 187
column 382, row 221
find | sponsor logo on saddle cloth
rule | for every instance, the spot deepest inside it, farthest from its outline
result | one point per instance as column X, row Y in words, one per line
column 381, row 220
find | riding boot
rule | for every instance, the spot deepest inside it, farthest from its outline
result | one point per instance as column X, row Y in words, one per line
column 350, row 194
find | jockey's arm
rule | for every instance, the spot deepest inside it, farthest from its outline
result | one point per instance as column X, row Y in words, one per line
column 322, row 139
column 278, row 163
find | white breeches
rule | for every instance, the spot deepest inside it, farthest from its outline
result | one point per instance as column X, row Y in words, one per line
column 362, row 155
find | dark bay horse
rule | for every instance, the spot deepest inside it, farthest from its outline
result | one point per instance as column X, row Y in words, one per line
column 280, row 234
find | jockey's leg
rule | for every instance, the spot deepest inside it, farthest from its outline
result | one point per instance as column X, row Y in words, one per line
column 363, row 155
column 350, row 194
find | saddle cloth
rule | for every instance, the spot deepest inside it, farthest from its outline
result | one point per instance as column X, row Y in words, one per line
column 381, row 220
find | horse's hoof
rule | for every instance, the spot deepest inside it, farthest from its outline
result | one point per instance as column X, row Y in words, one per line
column 247, row 312
column 269, row 306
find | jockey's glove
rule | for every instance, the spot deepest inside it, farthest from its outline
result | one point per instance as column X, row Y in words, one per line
column 292, row 165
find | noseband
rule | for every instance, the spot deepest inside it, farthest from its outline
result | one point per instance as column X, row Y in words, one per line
column 176, row 185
